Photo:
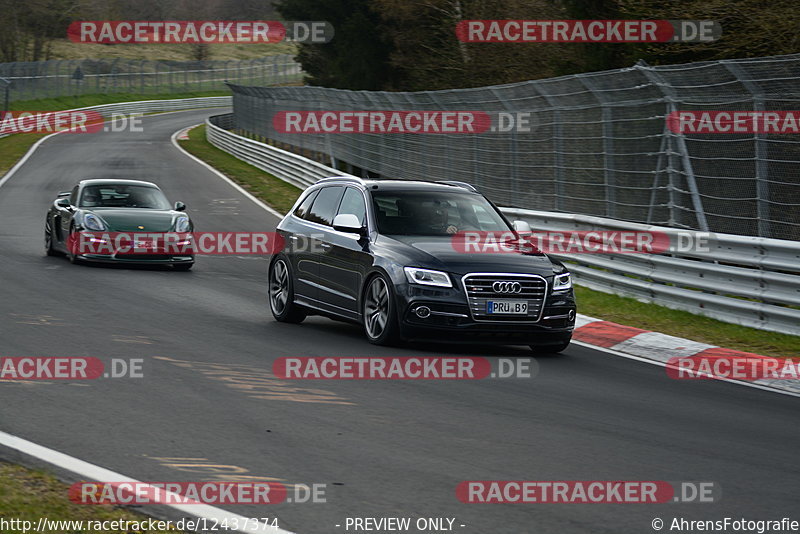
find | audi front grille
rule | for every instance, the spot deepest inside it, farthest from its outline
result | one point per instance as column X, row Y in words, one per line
column 482, row 288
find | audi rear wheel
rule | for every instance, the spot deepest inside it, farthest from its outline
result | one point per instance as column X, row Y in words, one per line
column 281, row 293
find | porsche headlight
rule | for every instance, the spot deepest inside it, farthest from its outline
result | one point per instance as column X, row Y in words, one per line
column 562, row 281
column 182, row 224
column 426, row 277
column 92, row 222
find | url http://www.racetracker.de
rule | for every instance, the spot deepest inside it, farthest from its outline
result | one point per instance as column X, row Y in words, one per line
column 44, row 524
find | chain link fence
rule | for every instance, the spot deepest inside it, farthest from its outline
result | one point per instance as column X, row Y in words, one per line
column 598, row 145
column 58, row 78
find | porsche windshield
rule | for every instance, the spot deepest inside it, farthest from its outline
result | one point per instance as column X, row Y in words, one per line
column 123, row 196
column 431, row 213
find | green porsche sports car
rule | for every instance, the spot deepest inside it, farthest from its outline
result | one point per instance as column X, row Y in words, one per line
column 117, row 221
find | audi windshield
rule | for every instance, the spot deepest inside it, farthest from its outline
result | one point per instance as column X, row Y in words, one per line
column 429, row 213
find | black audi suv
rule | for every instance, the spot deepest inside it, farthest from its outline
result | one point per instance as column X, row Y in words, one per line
column 390, row 255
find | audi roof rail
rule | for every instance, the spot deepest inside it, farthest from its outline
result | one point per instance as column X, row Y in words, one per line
column 341, row 179
column 463, row 185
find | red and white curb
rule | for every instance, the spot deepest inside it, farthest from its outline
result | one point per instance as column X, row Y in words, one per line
column 183, row 135
column 658, row 347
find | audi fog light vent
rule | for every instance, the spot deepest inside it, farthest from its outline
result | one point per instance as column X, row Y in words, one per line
column 423, row 312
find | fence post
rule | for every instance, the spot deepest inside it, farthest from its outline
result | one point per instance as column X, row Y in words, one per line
column 609, row 180
column 762, row 166
column 558, row 148
column 6, row 88
column 514, row 161
column 679, row 139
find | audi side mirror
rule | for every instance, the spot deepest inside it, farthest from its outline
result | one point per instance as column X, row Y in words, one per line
column 180, row 206
column 347, row 222
column 522, row 227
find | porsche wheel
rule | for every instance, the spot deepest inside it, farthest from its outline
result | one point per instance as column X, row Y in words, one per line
column 48, row 239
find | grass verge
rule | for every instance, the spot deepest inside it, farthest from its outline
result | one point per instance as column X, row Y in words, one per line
column 66, row 49
column 678, row 323
column 273, row 191
column 72, row 102
column 13, row 147
column 28, row 495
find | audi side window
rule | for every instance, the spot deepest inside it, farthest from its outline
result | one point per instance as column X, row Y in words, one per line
column 353, row 203
column 302, row 209
column 324, row 206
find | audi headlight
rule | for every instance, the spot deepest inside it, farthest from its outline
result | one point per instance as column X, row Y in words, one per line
column 182, row 224
column 562, row 281
column 92, row 222
column 426, row 277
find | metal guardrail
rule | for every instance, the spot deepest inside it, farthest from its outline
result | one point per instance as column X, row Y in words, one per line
column 743, row 280
column 297, row 170
column 154, row 106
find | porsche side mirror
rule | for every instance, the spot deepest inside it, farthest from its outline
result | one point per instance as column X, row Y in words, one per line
column 180, row 206
column 63, row 203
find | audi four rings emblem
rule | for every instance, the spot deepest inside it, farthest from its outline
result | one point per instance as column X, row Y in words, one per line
column 507, row 287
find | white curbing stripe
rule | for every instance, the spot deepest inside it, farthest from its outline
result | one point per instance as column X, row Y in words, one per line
column 660, row 347
column 583, row 320
column 96, row 473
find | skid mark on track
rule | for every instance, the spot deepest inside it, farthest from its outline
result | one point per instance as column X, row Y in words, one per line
column 132, row 339
column 213, row 471
column 257, row 383
column 224, row 206
column 38, row 320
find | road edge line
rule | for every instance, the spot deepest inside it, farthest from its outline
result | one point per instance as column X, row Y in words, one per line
column 642, row 359
column 101, row 474
column 219, row 174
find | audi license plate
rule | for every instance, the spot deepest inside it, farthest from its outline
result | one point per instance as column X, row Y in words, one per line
column 507, row 307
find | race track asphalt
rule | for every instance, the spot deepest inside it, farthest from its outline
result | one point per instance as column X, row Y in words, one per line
column 208, row 405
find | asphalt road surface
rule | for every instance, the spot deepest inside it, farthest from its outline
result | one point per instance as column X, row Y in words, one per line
column 208, row 407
